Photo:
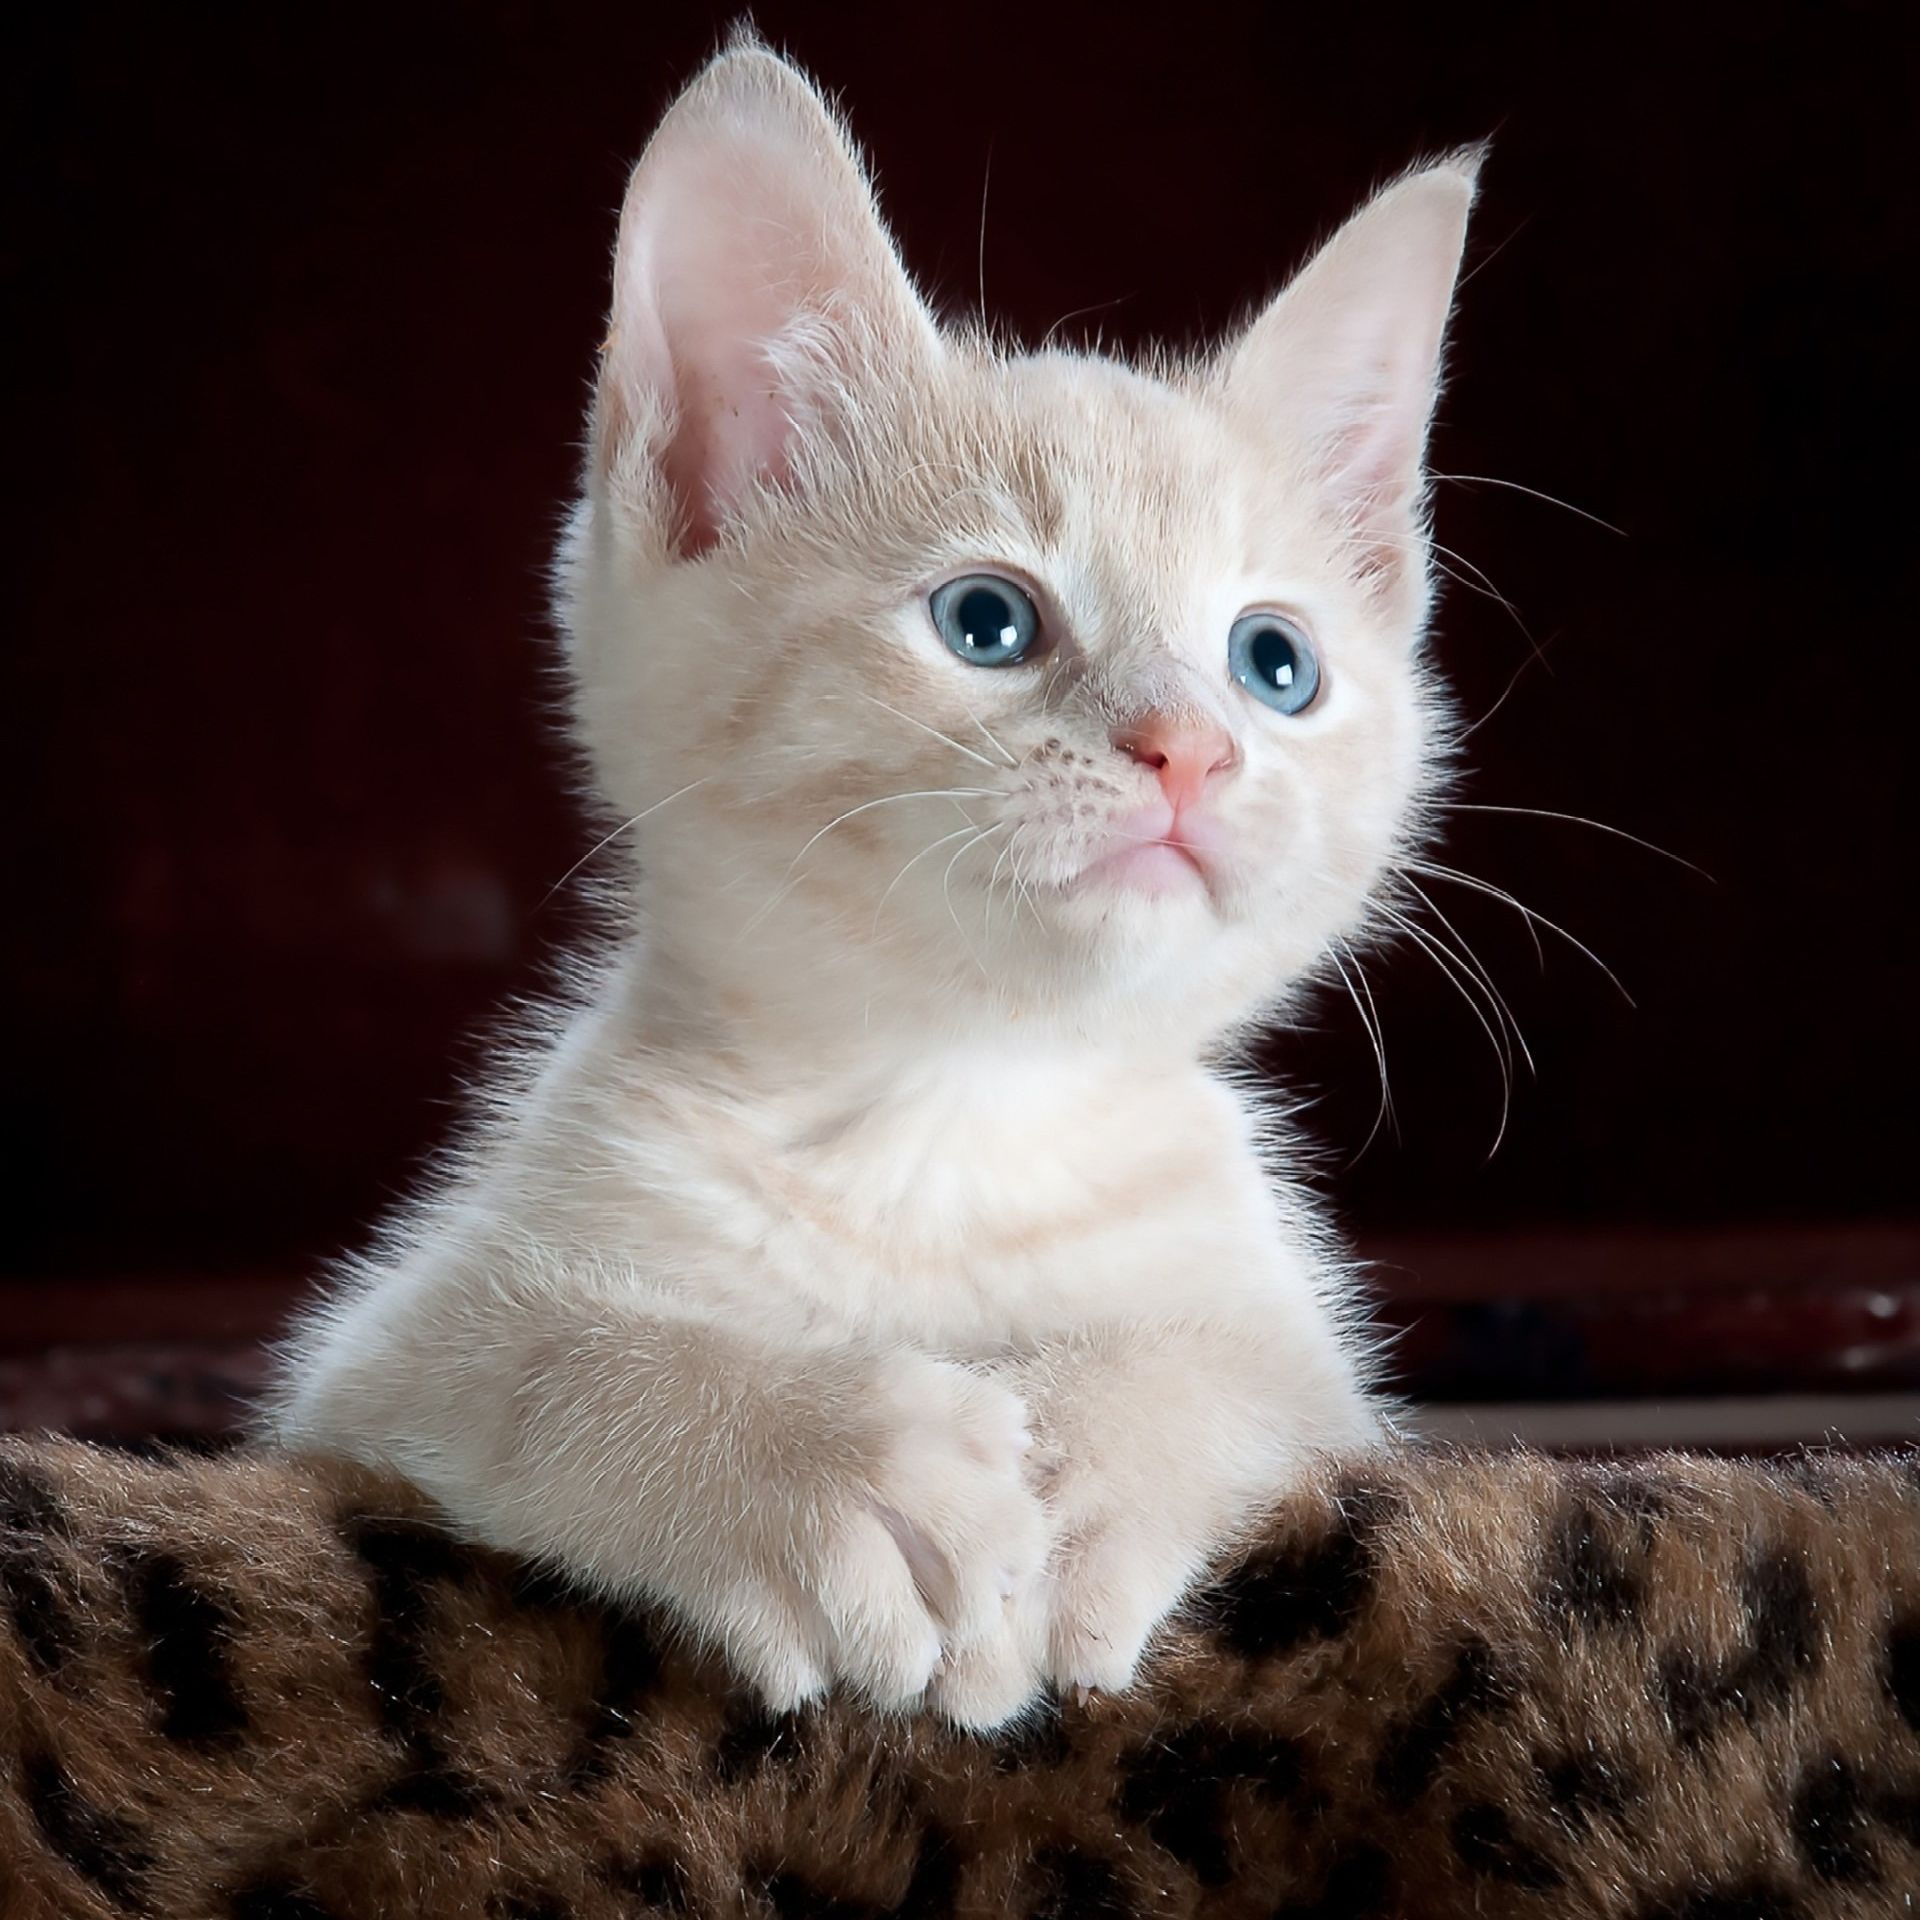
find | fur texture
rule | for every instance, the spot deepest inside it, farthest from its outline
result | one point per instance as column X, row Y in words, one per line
column 877, row 1268
column 265, row 1689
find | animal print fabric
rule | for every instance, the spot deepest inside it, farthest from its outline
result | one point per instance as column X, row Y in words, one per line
column 264, row 1688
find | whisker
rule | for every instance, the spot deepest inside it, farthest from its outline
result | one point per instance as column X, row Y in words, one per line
column 1473, row 960
column 1539, row 653
column 946, row 890
column 1451, row 971
column 1098, row 306
column 599, row 846
column 986, row 182
column 1580, row 820
column 924, row 728
column 1480, row 583
column 1435, row 871
column 1383, row 1115
column 990, row 737
column 886, row 799
column 946, row 839
column 993, row 882
column 1552, row 500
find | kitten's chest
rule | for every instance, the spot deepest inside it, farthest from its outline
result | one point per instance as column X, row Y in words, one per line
column 976, row 1213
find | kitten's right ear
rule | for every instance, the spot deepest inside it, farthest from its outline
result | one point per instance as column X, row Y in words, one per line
column 1346, row 361
column 753, row 285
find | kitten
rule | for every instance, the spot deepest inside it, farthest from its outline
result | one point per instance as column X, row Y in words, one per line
column 877, row 1269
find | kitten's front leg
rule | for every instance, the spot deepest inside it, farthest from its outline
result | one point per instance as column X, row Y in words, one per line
column 1159, row 1443
column 824, row 1513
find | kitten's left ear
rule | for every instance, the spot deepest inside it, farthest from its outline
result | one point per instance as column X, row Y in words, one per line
column 754, row 288
column 1345, row 362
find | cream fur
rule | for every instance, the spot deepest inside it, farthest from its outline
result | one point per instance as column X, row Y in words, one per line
column 877, row 1265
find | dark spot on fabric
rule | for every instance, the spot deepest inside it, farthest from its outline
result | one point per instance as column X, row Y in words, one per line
column 277, row 1900
column 1633, row 1491
column 1484, row 1838
column 931, row 1891
column 1038, row 1743
column 1899, row 1808
column 1303, row 1590
column 792, row 1896
column 1578, row 1786
column 1829, row 1821
column 1694, row 1696
column 42, row 1602
column 189, row 1636
column 1072, row 1884
column 99, row 1846
column 1359, row 1885
column 1177, row 1787
column 1584, row 1576
column 933, row 1888
column 435, row 1789
column 1784, row 1618
column 1903, row 1669
column 657, row 1880
column 1750, row 1899
column 405, row 1558
column 529, row 1906
column 630, row 1670
column 30, row 1504
column 751, row 1737
column 1414, row 1749
column 1783, row 1622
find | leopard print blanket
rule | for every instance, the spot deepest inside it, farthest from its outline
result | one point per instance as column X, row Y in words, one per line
column 261, row 1688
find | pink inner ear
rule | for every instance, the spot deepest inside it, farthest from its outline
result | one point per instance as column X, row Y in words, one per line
column 726, row 247
column 747, row 221
column 731, row 428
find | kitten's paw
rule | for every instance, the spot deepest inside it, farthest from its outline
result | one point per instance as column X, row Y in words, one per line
column 952, row 1494
column 1114, row 1586
column 910, row 1565
column 984, row 1685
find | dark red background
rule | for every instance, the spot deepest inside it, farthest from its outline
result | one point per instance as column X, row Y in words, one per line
column 309, row 305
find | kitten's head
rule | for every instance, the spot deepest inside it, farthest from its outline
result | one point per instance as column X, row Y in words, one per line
column 969, row 685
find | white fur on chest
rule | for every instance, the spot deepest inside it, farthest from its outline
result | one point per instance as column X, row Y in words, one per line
column 980, row 1201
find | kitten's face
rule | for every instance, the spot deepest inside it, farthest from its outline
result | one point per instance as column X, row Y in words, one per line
column 1038, row 684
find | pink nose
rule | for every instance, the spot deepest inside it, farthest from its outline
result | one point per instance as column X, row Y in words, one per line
column 1185, row 753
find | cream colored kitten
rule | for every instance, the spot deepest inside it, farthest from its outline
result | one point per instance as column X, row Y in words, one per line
column 875, row 1270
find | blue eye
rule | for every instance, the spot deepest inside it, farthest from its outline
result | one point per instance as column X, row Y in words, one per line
column 987, row 621
column 1272, row 659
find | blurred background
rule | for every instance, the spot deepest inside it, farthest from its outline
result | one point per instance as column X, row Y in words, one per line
column 305, row 312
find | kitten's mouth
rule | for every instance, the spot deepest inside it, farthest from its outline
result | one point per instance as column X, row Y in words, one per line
column 1156, row 853
column 1149, row 867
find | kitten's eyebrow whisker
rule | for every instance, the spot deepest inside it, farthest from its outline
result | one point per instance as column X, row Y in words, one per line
column 600, row 846
column 1552, row 500
column 986, row 183
column 1539, row 653
column 1098, row 306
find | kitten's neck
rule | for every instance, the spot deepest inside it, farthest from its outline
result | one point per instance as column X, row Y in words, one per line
column 760, row 1028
